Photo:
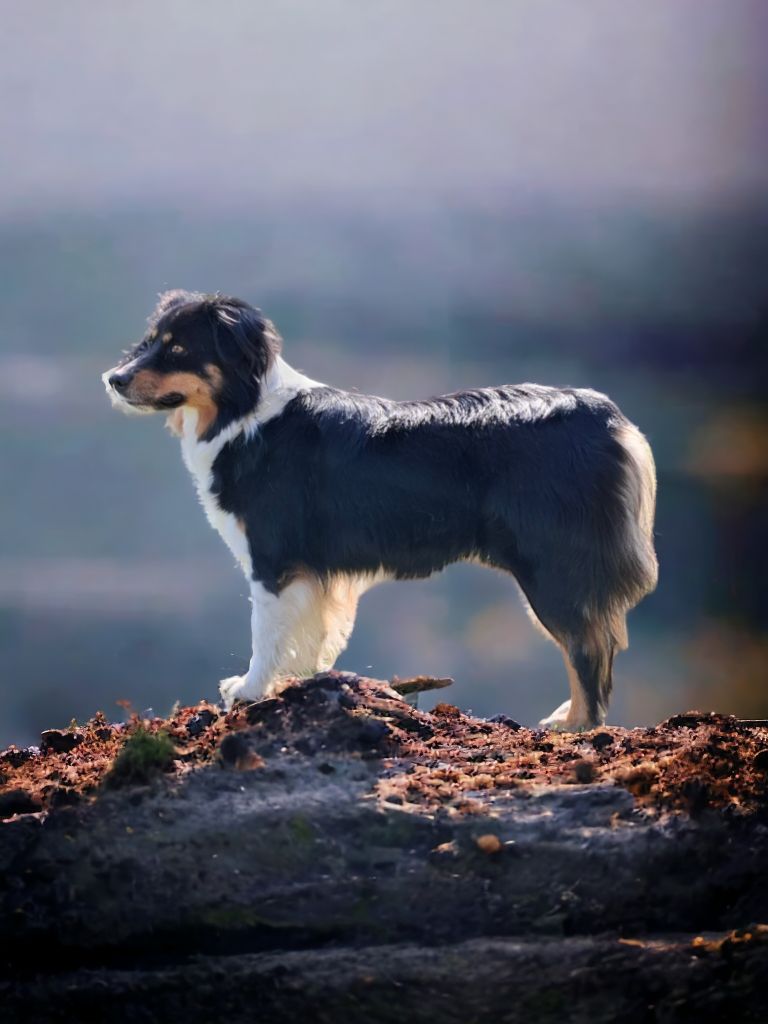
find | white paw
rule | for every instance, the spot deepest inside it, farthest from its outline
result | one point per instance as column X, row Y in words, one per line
column 562, row 720
column 558, row 718
column 230, row 689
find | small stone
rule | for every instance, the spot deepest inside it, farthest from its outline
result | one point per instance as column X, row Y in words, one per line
column 59, row 742
column 17, row 801
column 489, row 843
column 200, row 722
column 506, row 721
column 601, row 740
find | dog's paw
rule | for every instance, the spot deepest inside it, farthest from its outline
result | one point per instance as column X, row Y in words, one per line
column 230, row 689
column 561, row 720
column 558, row 718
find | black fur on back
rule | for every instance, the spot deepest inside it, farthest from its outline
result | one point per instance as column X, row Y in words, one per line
column 341, row 483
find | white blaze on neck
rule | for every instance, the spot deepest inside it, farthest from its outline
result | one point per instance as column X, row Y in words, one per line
column 281, row 384
column 199, row 457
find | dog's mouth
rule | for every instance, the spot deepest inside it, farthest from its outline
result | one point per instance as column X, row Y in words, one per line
column 171, row 401
column 136, row 401
column 147, row 403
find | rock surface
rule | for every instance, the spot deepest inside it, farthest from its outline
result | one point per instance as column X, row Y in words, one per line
column 336, row 853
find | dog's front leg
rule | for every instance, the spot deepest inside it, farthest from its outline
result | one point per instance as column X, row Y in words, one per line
column 286, row 636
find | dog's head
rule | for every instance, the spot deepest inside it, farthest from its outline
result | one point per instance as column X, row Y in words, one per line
column 209, row 353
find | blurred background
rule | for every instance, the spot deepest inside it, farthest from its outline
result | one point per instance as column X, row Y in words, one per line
column 423, row 197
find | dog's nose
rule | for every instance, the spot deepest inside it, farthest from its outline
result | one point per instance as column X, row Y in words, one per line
column 120, row 381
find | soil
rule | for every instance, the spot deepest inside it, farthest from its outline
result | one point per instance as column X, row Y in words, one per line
column 336, row 852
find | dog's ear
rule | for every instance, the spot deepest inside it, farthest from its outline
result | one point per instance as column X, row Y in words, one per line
column 244, row 335
column 171, row 300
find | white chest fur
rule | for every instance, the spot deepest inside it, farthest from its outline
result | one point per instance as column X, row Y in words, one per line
column 199, row 457
column 281, row 385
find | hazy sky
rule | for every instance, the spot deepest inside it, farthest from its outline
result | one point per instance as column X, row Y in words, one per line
column 152, row 100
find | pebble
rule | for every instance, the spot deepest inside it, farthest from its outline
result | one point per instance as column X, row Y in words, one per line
column 601, row 740
column 17, row 801
column 489, row 843
column 59, row 742
column 199, row 722
column 505, row 720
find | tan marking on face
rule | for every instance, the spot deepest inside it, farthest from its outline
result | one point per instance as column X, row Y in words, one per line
column 168, row 336
column 199, row 393
column 153, row 334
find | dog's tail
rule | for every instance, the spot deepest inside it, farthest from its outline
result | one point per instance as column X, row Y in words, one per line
column 639, row 485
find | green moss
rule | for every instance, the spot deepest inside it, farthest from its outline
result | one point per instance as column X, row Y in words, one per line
column 144, row 755
column 301, row 830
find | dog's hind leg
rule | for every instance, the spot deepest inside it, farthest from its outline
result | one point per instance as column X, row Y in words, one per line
column 588, row 654
column 588, row 559
column 588, row 643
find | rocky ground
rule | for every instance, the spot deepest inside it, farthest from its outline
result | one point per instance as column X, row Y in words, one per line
column 338, row 853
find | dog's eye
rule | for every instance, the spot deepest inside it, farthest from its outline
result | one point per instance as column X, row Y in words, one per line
column 177, row 350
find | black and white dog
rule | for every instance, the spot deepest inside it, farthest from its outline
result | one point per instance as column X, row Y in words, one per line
column 320, row 494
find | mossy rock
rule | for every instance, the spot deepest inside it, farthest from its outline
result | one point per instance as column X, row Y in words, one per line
column 143, row 757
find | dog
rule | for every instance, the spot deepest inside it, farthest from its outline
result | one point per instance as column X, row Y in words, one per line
column 320, row 493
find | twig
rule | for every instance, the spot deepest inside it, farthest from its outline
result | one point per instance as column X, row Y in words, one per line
column 419, row 684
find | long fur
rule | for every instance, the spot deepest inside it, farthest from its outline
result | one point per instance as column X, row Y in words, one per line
column 321, row 493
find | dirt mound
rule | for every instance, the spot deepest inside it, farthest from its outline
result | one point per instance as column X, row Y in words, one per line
column 443, row 759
